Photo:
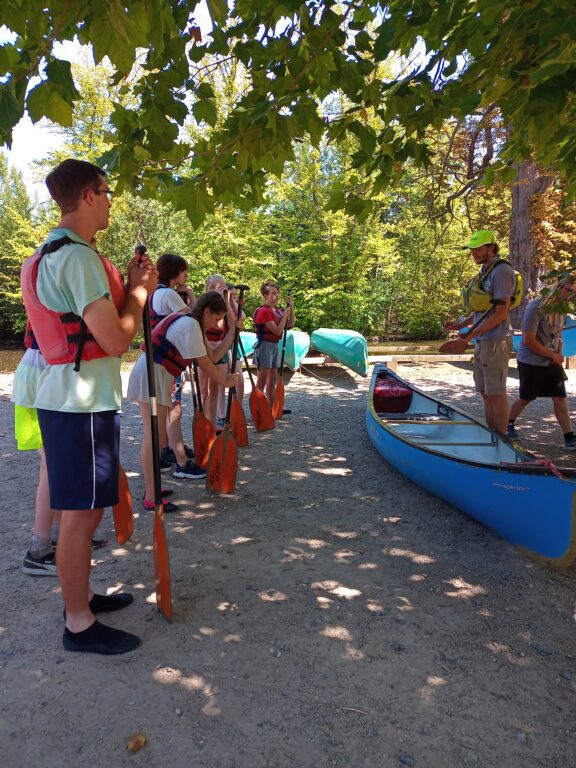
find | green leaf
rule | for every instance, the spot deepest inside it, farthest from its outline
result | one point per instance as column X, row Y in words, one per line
column 10, row 113
column 46, row 101
column 218, row 10
column 9, row 57
column 205, row 110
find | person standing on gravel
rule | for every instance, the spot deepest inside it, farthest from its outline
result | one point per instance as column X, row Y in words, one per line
column 83, row 320
column 540, row 359
column 494, row 288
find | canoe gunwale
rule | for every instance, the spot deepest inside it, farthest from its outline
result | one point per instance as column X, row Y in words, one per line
column 520, row 468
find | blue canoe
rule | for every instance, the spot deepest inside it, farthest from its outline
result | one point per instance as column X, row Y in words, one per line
column 455, row 457
column 568, row 338
column 297, row 346
column 345, row 346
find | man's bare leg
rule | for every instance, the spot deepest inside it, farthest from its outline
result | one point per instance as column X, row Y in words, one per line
column 73, row 558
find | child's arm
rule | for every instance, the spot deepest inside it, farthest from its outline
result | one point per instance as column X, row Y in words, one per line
column 278, row 328
column 228, row 380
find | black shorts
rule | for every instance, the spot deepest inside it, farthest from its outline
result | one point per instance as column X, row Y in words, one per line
column 541, row 381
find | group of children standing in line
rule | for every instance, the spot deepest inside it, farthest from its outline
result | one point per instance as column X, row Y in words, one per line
column 201, row 331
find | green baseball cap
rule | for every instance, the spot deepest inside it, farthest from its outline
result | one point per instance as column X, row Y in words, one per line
column 481, row 237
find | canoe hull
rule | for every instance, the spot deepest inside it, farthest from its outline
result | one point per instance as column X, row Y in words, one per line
column 528, row 506
column 345, row 346
column 297, row 346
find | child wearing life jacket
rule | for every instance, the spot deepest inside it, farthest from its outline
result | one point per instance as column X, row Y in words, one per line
column 171, row 295
column 219, row 340
column 270, row 322
column 177, row 340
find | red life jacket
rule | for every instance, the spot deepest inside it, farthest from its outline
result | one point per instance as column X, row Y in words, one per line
column 29, row 338
column 262, row 332
column 217, row 334
column 155, row 318
column 165, row 353
column 63, row 337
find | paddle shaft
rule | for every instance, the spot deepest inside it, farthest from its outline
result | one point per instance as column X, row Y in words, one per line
column 281, row 369
column 193, row 387
column 477, row 323
column 252, row 382
column 232, row 390
column 197, row 383
column 153, row 405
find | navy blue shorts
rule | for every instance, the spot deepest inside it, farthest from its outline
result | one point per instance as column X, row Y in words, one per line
column 82, row 455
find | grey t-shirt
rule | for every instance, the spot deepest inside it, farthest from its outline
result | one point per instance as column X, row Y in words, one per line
column 500, row 284
column 548, row 330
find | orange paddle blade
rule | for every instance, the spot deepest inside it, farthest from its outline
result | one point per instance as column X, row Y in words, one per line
column 162, row 566
column 223, row 463
column 123, row 521
column 203, row 436
column 261, row 411
column 238, row 424
column 278, row 406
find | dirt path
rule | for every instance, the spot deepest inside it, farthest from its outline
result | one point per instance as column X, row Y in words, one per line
column 329, row 614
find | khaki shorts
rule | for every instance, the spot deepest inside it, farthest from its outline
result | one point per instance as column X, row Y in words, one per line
column 491, row 358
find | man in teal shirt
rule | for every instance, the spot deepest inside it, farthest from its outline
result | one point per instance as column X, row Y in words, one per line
column 77, row 305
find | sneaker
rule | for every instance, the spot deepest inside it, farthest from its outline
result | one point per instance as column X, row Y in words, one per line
column 40, row 566
column 512, row 432
column 220, row 423
column 166, row 464
column 189, row 471
column 167, row 456
column 167, row 506
column 570, row 443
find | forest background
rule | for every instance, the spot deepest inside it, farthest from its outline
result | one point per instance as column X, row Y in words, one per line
column 391, row 269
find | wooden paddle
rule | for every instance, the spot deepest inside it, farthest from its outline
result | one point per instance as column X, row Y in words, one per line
column 459, row 345
column 160, row 544
column 278, row 406
column 223, row 459
column 258, row 402
column 123, row 520
column 203, row 433
column 237, row 416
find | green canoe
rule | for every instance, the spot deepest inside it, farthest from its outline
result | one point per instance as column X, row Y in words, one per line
column 248, row 342
column 345, row 346
column 297, row 346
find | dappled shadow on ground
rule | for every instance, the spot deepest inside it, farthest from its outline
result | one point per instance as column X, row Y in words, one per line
column 328, row 612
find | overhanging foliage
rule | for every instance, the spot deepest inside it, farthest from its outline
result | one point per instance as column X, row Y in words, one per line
column 461, row 58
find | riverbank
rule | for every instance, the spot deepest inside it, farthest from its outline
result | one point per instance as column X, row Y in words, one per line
column 330, row 613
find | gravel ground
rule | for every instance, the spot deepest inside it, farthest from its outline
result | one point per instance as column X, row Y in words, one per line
column 330, row 613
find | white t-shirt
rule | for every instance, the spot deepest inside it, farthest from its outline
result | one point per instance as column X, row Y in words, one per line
column 187, row 337
column 69, row 280
column 26, row 378
column 165, row 301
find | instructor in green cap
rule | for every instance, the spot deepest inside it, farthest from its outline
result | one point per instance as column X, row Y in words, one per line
column 489, row 297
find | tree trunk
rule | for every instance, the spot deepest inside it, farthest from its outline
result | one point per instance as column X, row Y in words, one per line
column 530, row 181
